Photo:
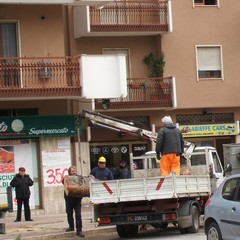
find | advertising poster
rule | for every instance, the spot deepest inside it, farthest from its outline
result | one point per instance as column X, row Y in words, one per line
column 7, row 164
column 55, row 166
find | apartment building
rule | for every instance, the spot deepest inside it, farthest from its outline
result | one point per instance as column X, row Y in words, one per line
column 194, row 41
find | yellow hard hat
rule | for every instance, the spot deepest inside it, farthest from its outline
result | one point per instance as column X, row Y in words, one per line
column 102, row 159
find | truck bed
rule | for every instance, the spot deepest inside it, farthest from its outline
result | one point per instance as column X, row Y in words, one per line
column 153, row 188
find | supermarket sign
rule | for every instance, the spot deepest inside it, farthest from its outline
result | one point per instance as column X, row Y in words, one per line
column 39, row 126
column 207, row 130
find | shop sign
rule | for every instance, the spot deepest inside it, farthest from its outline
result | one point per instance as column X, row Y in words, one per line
column 39, row 126
column 209, row 130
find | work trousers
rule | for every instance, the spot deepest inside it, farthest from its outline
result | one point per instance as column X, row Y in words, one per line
column 74, row 204
column 170, row 163
column 27, row 212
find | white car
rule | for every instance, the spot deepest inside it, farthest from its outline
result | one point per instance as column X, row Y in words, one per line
column 222, row 211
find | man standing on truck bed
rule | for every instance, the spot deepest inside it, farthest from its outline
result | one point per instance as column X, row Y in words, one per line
column 170, row 145
column 101, row 172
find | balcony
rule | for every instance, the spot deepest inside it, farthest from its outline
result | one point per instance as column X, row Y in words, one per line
column 145, row 93
column 96, row 3
column 39, row 78
column 59, row 78
column 123, row 18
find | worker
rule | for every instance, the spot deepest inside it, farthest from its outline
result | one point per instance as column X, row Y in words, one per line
column 135, row 165
column 101, row 172
column 123, row 171
column 73, row 203
column 170, row 146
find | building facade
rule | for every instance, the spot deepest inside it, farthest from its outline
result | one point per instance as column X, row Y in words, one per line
column 194, row 44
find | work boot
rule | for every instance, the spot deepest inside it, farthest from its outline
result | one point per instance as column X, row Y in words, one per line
column 80, row 234
column 70, row 229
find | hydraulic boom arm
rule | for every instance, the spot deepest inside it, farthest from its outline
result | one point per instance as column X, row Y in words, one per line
column 120, row 125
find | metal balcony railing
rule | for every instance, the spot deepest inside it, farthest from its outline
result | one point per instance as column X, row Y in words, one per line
column 144, row 93
column 39, row 77
column 130, row 16
column 59, row 77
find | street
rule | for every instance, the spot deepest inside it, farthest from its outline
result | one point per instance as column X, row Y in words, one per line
column 151, row 233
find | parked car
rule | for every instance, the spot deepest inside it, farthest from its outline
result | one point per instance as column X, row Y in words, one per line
column 222, row 211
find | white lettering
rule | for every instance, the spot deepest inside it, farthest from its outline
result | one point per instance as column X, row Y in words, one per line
column 34, row 131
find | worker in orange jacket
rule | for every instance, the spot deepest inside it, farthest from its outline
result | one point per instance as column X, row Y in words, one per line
column 170, row 145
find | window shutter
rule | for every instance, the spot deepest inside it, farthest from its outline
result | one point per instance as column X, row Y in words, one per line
column 209, row 58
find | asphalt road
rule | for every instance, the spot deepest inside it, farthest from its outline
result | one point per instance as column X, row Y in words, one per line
column 150, row 234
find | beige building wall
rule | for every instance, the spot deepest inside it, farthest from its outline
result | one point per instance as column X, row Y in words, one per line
column 206, row 25
column 40, row 27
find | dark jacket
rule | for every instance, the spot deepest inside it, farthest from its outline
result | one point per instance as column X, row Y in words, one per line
column 102, row 173
column 169, row 140
column 123, row 173
column 21, row 185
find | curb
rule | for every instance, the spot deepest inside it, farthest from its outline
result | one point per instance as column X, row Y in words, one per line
column 69, row 235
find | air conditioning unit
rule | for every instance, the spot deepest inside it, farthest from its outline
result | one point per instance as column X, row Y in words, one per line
column 44, row 71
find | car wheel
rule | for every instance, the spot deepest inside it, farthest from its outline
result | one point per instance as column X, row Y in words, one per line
column 195, row 220
column 213, row 232
column 125, row 231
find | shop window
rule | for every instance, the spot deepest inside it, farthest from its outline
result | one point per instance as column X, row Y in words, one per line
column 206, row 2
column 209, row 62
column 18, row 112
column 191, row 119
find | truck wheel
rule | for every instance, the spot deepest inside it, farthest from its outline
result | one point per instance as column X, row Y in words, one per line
column 125, row 231
column 213, row 232
column 195, row 220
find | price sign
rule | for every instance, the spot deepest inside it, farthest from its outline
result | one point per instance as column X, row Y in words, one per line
column 55, row 166
column 55, row 176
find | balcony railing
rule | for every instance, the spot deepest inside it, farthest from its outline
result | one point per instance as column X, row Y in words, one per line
column 39, row 77
column 59, row 77
column 144, row 93
column 130, row 16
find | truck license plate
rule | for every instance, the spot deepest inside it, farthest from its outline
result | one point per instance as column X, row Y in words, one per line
column 137, row 218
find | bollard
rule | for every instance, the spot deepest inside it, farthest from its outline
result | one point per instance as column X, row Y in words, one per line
column 2, row 228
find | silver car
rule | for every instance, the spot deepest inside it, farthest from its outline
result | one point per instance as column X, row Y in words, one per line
column 222, row 211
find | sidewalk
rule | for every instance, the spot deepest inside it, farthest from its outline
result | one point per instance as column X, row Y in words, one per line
column 47, row 227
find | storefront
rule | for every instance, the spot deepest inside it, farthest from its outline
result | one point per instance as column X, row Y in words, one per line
column 211, row 135
column 114, row 152
column 42, row 144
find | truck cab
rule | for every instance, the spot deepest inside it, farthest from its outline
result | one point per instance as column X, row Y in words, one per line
column 212, row 160
column 201, row 161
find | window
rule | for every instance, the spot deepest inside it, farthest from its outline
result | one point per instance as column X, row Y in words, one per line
column 229, row 189
column 18, row 112
column 205, row 2
column 8, row 39
column 9, row 48
column 209, row 62
column 192, row 119
column 217, row 165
